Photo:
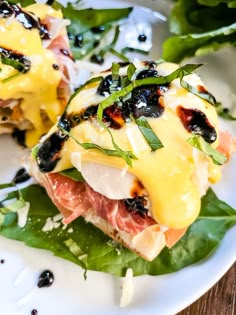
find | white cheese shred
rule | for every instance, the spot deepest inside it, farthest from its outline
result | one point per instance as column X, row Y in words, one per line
column 127, row 289
column 23, row 215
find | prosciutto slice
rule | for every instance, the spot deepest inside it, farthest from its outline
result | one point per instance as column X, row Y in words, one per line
column 74, row 199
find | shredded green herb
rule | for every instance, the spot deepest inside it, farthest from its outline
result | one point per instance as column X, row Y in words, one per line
column 204, row 95
column 126, row 155
column 153, row 141
column 199, row 143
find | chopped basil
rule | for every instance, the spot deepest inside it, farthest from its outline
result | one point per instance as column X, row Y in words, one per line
column 199, row 143
column 112, row 44
column 126, row 155
column 14, row 60
column 137, row 50
column 130, row 71
column 204, row 95
column 179, row 73
column 153, row 141
column 115, row 77
column 118, row 54
column 74, row 174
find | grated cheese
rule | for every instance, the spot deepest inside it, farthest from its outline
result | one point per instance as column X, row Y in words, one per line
column 127, row 288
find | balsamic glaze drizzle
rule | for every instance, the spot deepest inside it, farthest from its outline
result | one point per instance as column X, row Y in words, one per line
column 196, row 122
column 144, row 101
column 46, row 279
column 137, row 205
column 28, row 20
column 21, row 176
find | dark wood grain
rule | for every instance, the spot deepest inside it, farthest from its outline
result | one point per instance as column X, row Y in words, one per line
column 220, row 300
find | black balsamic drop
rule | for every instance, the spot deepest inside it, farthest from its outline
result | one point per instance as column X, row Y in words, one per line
column 98, row 29
column 21, row 176
column 98, row 59
column 78, row 42
column 49, row 152
column 46, row 279
column 147, row 73
column 104, row 86
column 142, row 38
column 5, row 10
column 196, row 122
column 34, row 312
column 19, row 136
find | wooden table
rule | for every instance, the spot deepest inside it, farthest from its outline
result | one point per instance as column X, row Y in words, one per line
column 220, row 300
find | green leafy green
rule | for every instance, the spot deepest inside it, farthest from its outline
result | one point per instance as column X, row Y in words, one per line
column 216, row 29
column 199, row 143
column 88, row 247
column 90, row 41
column 84, row 21
column 186, row 14
column 153, row 141
column 74, row 174
column 197, row 44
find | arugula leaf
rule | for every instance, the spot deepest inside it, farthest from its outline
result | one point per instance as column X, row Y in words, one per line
column 74, row 174
column 153, row 141
column 199, row 143
column 91, row 249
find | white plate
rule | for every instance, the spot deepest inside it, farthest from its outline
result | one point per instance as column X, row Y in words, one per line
column 100, row 293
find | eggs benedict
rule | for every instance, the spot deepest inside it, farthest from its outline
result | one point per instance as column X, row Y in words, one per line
column 36, row 68
column 133, row 153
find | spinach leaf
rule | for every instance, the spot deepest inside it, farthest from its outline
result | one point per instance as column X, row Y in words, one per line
column 196, row 44
column 96, row 251
column 216, row 29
